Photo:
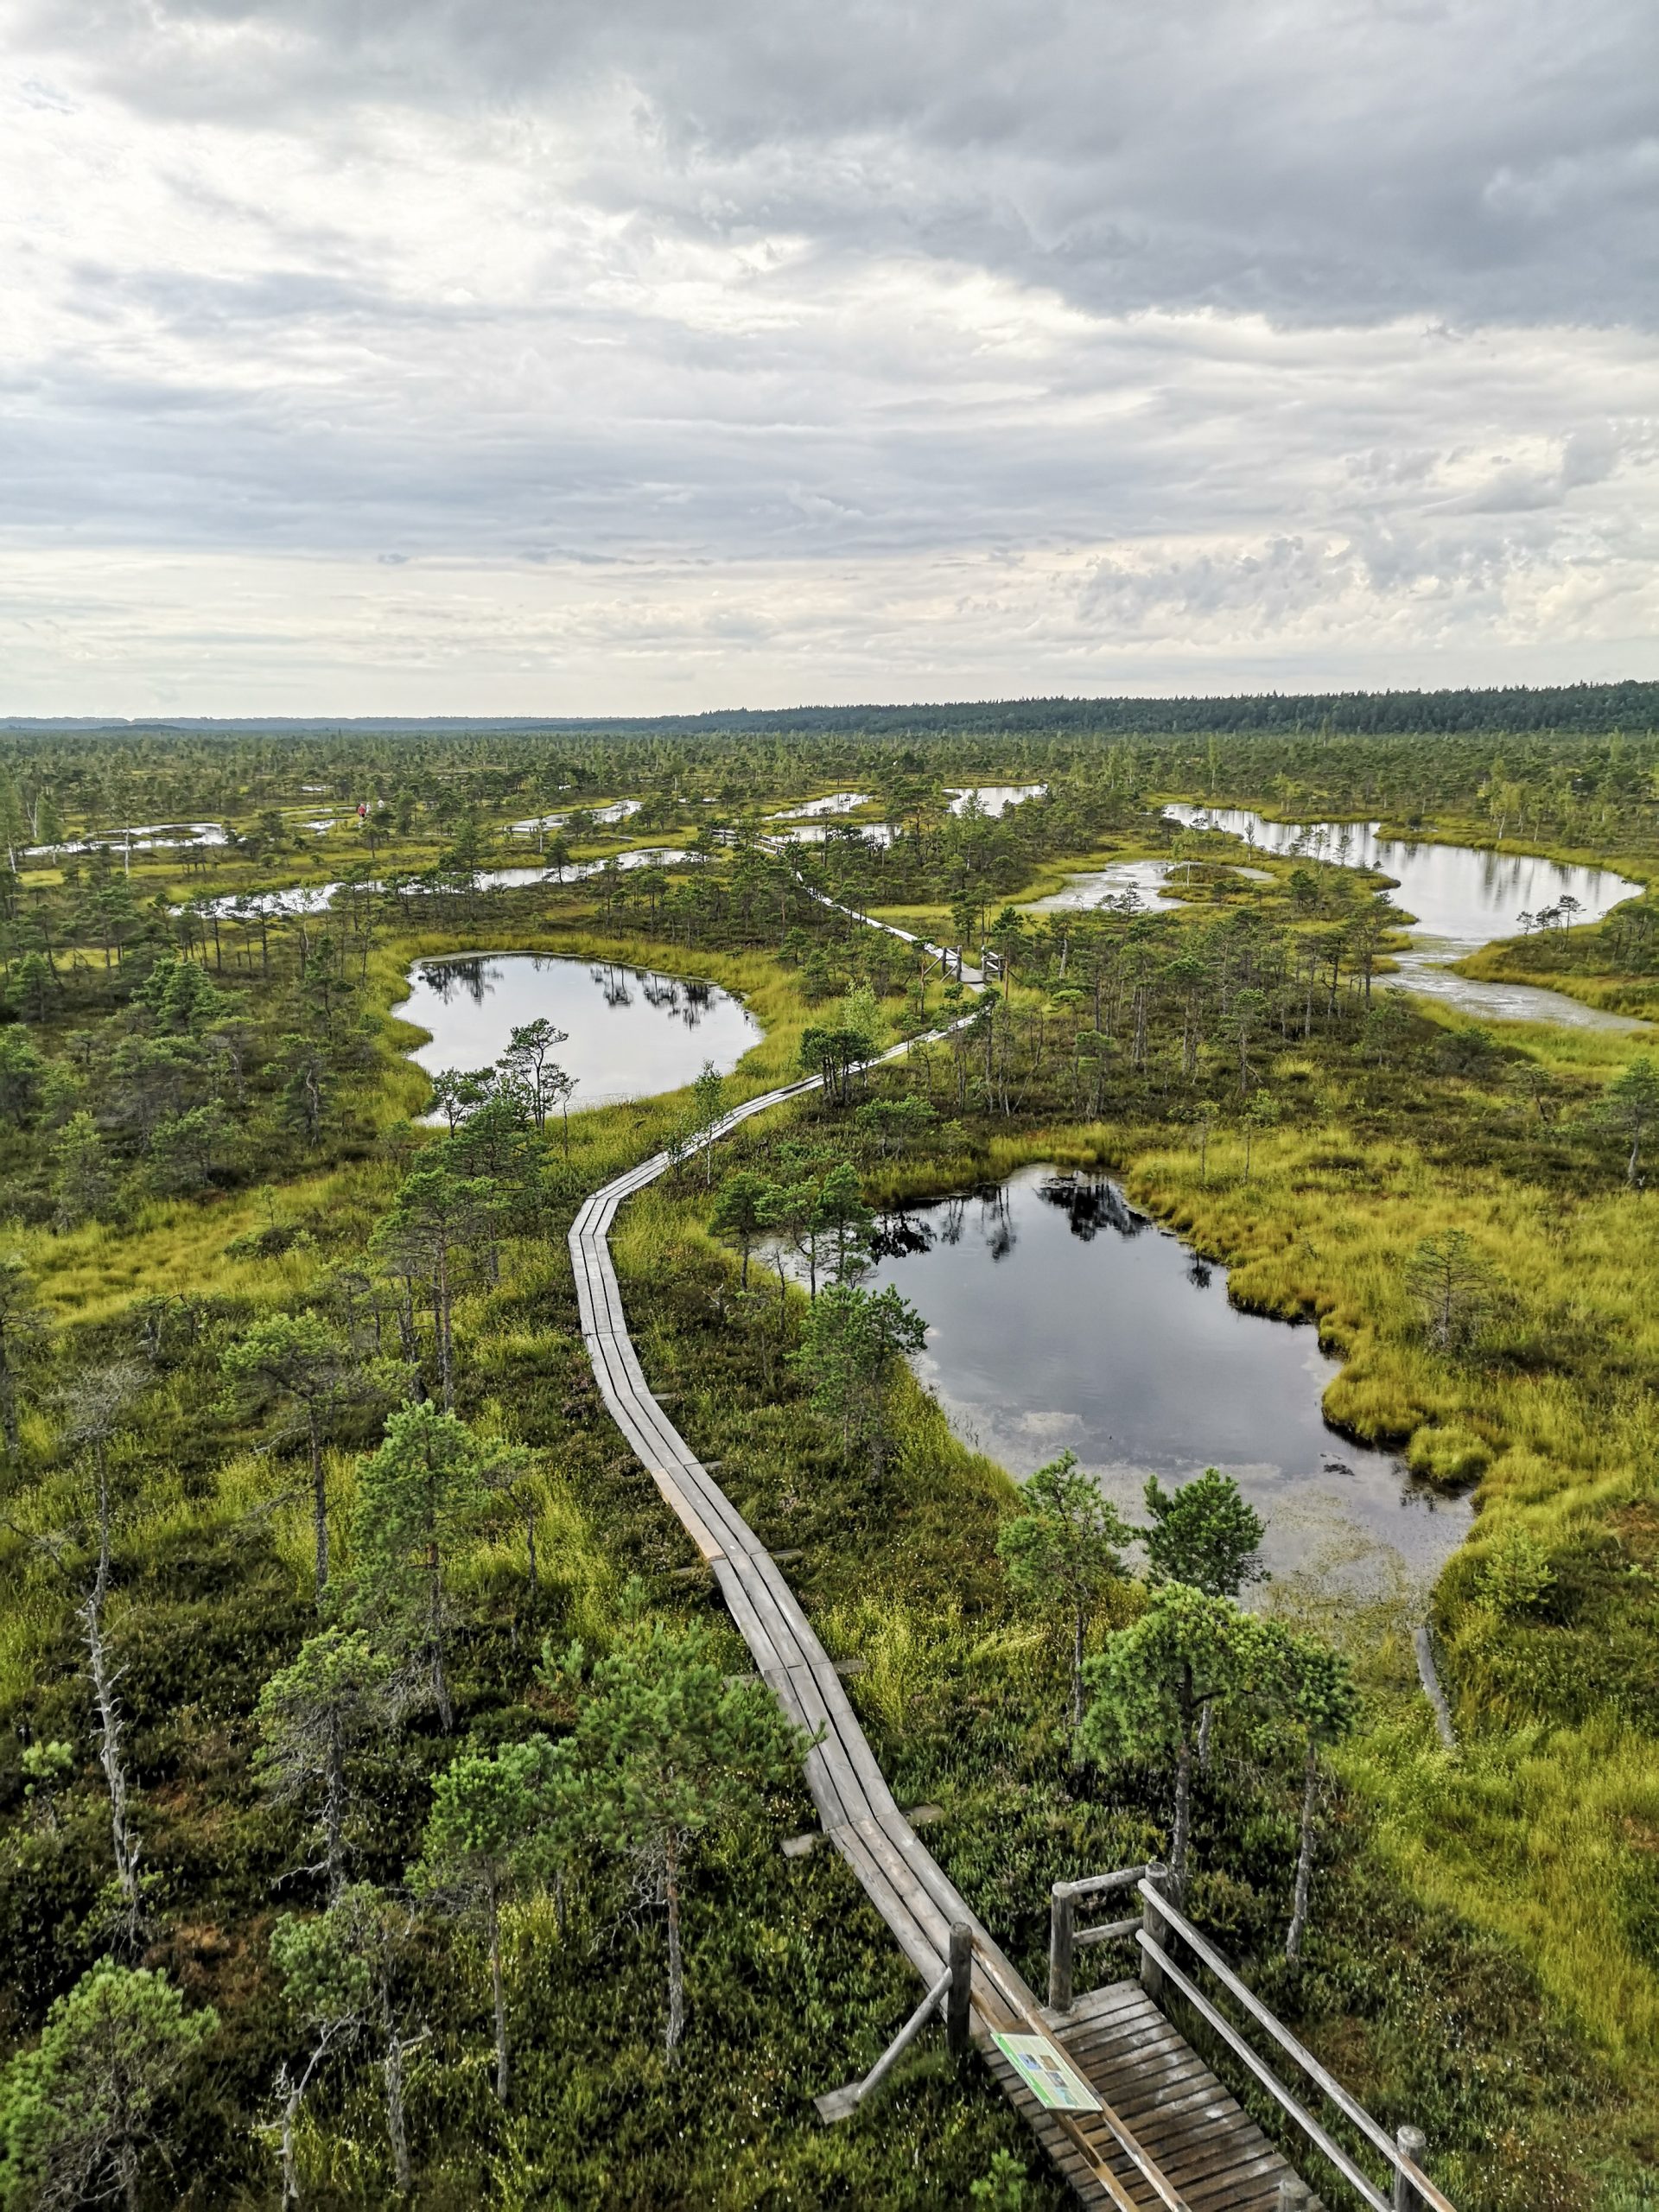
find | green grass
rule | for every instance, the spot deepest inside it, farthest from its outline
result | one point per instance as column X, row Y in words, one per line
column 1502, row 1986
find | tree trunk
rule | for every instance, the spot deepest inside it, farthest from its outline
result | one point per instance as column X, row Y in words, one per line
column 446, row 1377
column 1076, row 1666
column 9, row 1429
column 319, row 1505
column 1205, row 1726
column 435, row 1639
column 1183, row 1819
column 333, row 1814
column 124, row 1843
column 291, row 2163
column 396, row 2131
column 676, row 1962
column 492, row 1910
column 1304, row 1856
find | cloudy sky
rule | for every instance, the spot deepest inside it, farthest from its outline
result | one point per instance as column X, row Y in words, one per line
column 581, row 355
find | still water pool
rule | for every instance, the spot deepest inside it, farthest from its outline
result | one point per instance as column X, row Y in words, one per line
column 1060, row 1317
column 994, row 799
column 1462, row 897
column 631, row 1033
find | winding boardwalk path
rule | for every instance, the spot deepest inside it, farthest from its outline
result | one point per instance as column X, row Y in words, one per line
column 1176, row 2126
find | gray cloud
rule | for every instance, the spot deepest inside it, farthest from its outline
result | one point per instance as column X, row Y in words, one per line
column 1465, row 157
column 747, row 346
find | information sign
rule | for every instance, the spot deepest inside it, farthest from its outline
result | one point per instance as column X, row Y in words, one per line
column 1047, row 2072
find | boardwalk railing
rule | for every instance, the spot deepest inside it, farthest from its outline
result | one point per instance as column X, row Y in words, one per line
column 1163, row 1926
column 953, row 1993
column 1066, row 1939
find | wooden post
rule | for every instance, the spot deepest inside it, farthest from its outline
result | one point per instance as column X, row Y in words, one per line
column 1294, row 2195
column 1156, row 1929
column 960, row 1996
column 1062, row 1941
column 1412, row 2143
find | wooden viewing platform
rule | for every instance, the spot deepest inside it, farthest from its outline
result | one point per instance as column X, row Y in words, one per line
column 1170, row 2135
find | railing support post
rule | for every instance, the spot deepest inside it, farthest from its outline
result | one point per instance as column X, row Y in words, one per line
column 1294, row 2195
column 959, row 2000
column 1062, row 1946
column 1412, row 2143
column 1156, row 1930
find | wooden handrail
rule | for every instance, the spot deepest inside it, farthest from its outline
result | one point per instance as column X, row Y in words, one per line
column 1090, row 1885
column 1066, row 1938
column 1372, row 2130
column 1264, row 2074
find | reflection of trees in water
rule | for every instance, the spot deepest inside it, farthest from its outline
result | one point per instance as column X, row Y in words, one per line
column 477, row 977
column 900, row 1236
column 451, row 979
column 681, row 1001
column 1200, row 1272
column 904, row 1232
column 996, row 1223
column 1091, row 1203
column 613, row 981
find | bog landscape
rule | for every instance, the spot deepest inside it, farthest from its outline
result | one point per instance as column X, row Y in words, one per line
column 664, row 1383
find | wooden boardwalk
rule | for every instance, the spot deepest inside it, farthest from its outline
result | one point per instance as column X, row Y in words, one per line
column 1175, row 2108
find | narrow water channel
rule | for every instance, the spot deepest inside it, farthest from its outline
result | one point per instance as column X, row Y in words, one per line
column 630, row 1031
column 1059, row 1316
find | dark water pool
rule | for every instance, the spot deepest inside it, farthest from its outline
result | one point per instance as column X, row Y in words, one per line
column 1059, row 1317
column 631, row 1033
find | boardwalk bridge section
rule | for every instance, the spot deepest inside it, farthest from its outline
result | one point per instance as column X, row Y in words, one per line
column 1166, row 2134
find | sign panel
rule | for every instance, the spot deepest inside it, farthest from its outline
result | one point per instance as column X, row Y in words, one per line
column 1047, row 2072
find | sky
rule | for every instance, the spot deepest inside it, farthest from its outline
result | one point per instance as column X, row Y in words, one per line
column 625, row 356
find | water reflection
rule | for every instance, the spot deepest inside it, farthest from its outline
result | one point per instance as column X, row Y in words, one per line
column 819, row 833
column 836, row 803
column 1059, row 1316
column 994, row 798
column 316, row 898
column 630, row 1031
column 1463, row 897
column 1151, row 885
column 617, row 810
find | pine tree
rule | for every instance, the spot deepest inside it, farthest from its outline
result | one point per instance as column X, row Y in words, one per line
column 77, row 2113
column 666, row 1749
column 418, row 1497
column 1062, row 1550
column 849, row 1354
column 1152, row 1683
column 314, row 1715
column 1311, row 1687
column 298, row 1357
column 491, row 1814
column 740, row 1214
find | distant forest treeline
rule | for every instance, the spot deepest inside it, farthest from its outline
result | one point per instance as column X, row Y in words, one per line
column 1574, row 765
column 1597, row 708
